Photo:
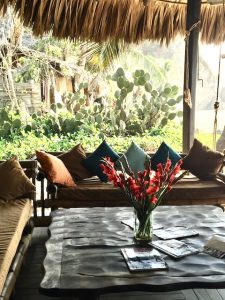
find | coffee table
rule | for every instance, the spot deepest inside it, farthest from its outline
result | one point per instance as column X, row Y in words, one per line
column 83, row 252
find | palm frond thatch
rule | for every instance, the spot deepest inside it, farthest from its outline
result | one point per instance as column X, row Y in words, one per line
column 129, row 20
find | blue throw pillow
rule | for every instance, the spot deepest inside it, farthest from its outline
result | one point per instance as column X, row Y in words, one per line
column 164, row 151
column 92, row 162
column 136, row 158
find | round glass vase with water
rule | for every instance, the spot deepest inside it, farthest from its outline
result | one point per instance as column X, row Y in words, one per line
column 143, row 227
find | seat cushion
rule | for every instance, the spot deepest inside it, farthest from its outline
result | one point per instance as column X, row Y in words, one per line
column 14, row 215
column 92, row 192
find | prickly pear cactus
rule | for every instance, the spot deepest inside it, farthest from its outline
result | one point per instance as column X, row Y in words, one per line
column 140, row 106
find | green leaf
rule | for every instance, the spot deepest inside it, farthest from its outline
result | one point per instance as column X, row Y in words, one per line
column 85, row 85
column 17, row 123
column 4, row 116
column 6, row 126
column 164, row 122
column 53, row 107
column 98, row 119
column 28, row 128
column 78, row 116
column 180, row 114
column 179, row 99
column 171, row 102
column 120, row 82
column 130, row 87
column 120, row 72
column 77, row 107
column 141, row 80
column 59, row 105
column 147, row 77
column 123, row 94
column 165, row 108
column 117, row 94
column 34, row 116
column 148, row 87
column 154, row 94
column 171, row 116
column 137, row 74
column 167, row 91
column 101, row 136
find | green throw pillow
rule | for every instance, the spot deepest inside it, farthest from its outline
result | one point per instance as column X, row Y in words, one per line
column 136, row 158
column 92, row 162
column 164, row 151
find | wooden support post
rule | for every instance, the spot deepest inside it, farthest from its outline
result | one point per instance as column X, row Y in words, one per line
column 193, row 15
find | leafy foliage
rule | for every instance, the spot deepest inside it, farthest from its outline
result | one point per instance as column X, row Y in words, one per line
column 24, row 145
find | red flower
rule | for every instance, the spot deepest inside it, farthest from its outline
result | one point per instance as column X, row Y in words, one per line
column 147, row 189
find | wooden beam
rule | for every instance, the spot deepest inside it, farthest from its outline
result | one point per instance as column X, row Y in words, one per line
column 193, row 16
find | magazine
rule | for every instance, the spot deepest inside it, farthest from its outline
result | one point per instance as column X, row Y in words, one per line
column 174, row 248
column 143, row 259
column 215, row 246
column 174, row 233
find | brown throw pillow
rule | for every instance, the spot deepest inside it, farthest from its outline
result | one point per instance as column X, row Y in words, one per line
column 55, row 169
column 203, row 162
column 13, row 181
column 73, row 160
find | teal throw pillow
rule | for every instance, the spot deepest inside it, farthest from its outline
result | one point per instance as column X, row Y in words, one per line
column 164, row 151
column 92, row 162
column 136, row 158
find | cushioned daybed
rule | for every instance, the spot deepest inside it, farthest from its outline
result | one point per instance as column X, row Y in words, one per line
column 15, row 215
column 204, row 188
column 92, row 192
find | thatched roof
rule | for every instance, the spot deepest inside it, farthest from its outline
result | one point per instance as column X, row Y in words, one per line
column 129, row 20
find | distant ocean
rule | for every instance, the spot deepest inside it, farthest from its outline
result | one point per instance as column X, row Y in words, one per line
column 204, row 120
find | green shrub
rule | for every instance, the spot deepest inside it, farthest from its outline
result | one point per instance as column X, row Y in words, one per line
column 24, row 145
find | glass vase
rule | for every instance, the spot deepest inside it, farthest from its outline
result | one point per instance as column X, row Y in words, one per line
column 143, row 227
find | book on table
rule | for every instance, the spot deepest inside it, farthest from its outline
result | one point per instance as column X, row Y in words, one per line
column 174, row 248
column 175, row 232
column 143, row 259
column 215, row 246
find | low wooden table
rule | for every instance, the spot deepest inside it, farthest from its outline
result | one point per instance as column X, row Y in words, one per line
column 84, row 259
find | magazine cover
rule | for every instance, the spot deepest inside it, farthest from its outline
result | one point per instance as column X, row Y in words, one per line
column 143, row 259
column 174, row 233
column 174, row 248
column 215, row 246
